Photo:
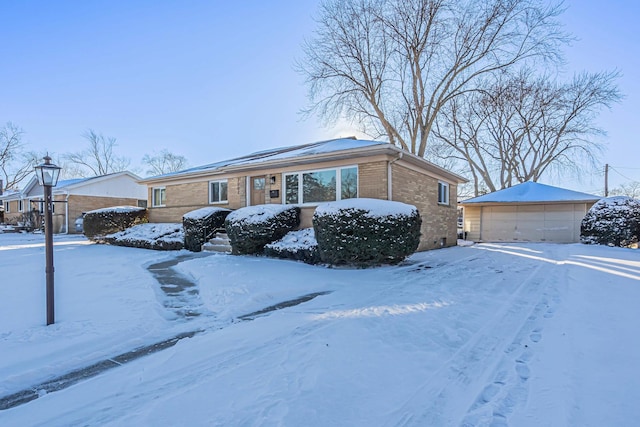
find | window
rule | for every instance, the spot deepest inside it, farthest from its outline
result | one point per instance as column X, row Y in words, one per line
column 259, row 183
column 20, row 206
column 158, row 196
column 218, row 191
column 325, row 185
column 443, row 193
column 6, row 207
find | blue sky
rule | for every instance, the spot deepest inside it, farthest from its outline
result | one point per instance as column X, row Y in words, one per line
column 212, row 80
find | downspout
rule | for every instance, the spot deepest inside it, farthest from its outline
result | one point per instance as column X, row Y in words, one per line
column 247, row 190
column 66, row 212
column 389, row 176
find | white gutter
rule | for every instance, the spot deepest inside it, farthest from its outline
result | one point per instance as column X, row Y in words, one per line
column 389, row 177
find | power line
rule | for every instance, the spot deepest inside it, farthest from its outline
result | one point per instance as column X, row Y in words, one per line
column 618, row 172
column 624, row 167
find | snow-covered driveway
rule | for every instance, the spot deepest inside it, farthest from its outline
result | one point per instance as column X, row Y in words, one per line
column 517, row 334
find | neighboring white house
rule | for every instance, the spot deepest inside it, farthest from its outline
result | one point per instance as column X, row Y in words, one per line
column 73, row 197
column 528, row 212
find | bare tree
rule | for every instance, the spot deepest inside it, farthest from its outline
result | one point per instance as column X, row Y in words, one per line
column 520, row 127
column 99, row 158
column 632, row 189
column 164, row 162
column 16, row 164
column 392, row 65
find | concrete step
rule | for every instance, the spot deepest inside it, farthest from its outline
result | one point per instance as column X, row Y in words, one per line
column 219, row 243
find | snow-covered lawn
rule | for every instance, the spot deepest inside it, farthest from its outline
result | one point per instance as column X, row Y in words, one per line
column 490, row 334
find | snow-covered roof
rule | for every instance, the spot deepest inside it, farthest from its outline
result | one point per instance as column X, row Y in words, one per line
column 10, row 194
column 72, row 183
column 322, row 147
column 307, row 154
column 67, row 182
column 532, row 192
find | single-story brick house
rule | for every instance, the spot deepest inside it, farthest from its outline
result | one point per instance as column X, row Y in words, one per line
column 527, row 212
column 309, row 174
column 72, row 198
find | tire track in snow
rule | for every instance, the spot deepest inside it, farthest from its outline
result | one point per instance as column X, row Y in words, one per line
column 466, row 371
column 172, row 382
column 509, row 388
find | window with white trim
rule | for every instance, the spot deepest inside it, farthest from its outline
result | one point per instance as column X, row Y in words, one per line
column 443, row 193
column 218, row 191
column 20, row 205
column 323, row 185
column 158, row 196
column 6, row 207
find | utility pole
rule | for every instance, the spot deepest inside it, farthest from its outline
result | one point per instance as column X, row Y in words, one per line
column 606, row 180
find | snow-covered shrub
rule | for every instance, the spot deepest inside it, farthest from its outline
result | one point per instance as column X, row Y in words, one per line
column 100, row 222
column 201, row 224
column 300, row 245
column 158, row 236
column 614, row 221
column 252, row 227
column 366, row 232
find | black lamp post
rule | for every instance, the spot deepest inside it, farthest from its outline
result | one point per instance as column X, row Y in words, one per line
column 47, row 174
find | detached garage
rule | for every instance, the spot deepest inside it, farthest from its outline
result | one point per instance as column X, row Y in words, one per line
column 528, row 212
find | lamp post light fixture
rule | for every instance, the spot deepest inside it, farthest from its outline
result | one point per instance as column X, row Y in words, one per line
column 47, row 175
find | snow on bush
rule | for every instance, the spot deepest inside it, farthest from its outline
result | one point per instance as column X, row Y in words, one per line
column 159, row 236
column 300, row 245
column 366, row 232
column 614, row 221
column 100, row 222
column 201, row 224
column 252, row 227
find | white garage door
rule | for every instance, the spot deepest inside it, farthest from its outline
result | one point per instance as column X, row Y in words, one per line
column 559, row 223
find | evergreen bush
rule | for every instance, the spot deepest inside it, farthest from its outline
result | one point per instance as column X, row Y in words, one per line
column 251, row 228
column 157, row 236
column 614, row 221
column 300, row 245
column 100, row 222
column 366, row 232
column 200, row 225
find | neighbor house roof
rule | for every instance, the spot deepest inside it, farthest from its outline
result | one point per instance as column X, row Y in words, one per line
column 532, row 192
column 11, row 195
column 72, row 183
column 305, row 154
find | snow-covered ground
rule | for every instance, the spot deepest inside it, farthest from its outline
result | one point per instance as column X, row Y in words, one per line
column 490, row 334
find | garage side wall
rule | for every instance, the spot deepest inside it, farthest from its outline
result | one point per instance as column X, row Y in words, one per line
column 472, row 222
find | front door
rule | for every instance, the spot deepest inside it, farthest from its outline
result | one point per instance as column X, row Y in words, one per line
column 258, row 184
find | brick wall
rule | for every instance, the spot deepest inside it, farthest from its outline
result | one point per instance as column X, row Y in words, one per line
column 237, row 192
column 372, row 180
column 13, row 216
column 421, row 191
